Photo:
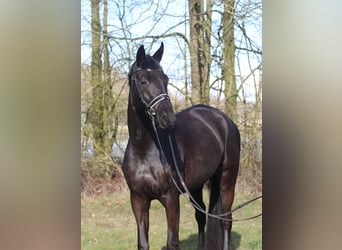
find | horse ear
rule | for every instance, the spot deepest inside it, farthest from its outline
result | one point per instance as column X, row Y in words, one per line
column 159, row 53
column 140, row 55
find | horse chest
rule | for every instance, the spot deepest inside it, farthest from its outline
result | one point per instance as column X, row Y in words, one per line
column 148, row 178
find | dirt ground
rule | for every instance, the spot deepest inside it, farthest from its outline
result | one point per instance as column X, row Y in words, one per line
column 97, row 186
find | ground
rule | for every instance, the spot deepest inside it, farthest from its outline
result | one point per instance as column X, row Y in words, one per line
column 107, row 221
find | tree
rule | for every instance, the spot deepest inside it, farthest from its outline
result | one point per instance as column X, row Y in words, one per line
column 100, row 128
column 228, row 67
column 224, row 45
column 110, row 116
column 200, row 58
column 247, row 19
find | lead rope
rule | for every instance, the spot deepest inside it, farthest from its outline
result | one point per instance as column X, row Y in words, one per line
column 187, row 192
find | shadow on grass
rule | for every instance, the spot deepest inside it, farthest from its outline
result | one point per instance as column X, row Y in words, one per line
column 191, row 242
column 236, row 239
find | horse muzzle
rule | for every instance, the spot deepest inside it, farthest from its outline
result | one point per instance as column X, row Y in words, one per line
column 166, row 118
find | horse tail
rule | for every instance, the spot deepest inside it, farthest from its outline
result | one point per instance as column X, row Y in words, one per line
column 214, row 232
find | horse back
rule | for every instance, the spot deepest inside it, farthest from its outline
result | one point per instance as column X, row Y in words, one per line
column 205, row 137
column 205, row 120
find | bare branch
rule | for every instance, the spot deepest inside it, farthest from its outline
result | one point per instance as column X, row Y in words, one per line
column 175, row 34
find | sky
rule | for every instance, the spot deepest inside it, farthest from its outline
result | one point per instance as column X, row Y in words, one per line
column 137, row 21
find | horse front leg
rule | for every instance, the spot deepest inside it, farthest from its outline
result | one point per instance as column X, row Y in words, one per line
column 200, row 218
column 171, row 203
column 140, row 207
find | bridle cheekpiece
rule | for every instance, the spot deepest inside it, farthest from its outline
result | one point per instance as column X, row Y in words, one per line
column 150, row 106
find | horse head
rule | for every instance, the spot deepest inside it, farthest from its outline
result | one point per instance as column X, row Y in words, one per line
column 148, row 88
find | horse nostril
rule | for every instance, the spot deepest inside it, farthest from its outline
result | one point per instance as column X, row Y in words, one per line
column 171, row 125
column 167, row 119
column 172, row 120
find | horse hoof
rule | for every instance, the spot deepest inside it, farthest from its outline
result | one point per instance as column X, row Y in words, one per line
column 163, row 248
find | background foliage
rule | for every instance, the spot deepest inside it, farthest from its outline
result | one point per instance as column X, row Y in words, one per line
column 229, row 69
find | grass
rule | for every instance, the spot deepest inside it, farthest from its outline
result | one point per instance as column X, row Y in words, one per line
column 107, row 222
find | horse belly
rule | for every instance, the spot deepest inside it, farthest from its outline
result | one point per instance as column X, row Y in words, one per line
column 200, row 169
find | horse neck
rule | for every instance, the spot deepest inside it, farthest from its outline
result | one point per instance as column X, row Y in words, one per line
column 143, row 136
column 140, row 128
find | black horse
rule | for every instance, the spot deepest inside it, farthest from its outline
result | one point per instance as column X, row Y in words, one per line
column 207, row 147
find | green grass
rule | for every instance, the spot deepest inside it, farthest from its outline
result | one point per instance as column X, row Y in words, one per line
column 107, row 222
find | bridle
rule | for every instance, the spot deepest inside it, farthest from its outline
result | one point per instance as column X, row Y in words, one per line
column 149, row 109
column 149, row 106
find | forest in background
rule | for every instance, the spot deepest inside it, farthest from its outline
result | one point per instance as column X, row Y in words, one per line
column 212, row 55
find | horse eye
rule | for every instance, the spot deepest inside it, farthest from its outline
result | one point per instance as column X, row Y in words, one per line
column 143, row 82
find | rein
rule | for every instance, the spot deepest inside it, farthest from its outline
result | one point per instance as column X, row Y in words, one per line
column 151, row 113
column 187, row 192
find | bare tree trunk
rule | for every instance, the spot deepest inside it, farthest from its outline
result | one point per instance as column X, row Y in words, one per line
column 109, row 107
column 195, row 33
column 96, row 82
column 206, row 53
column 228, row 68
column 200, row 34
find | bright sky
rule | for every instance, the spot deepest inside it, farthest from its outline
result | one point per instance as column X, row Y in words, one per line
column 139, row 21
